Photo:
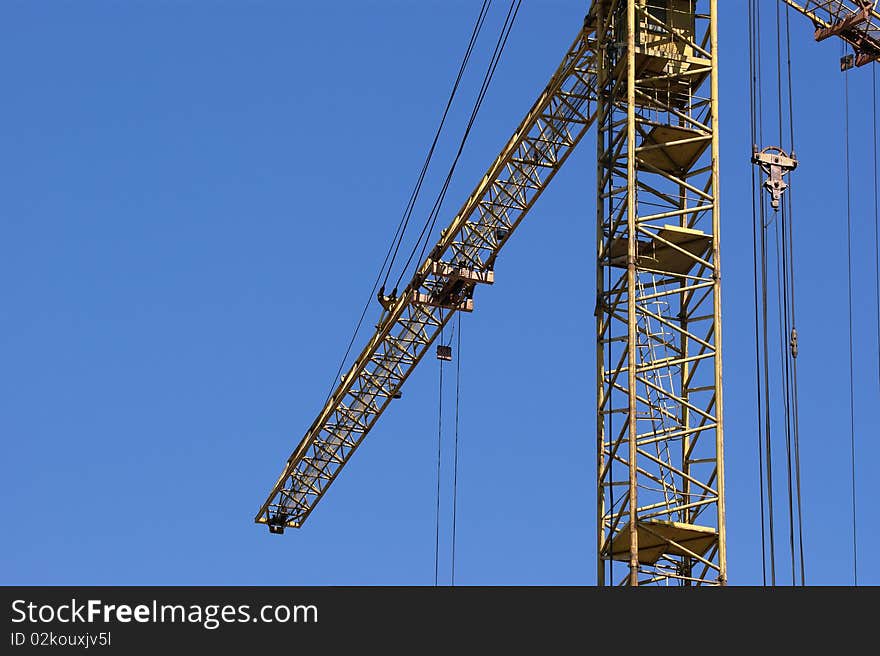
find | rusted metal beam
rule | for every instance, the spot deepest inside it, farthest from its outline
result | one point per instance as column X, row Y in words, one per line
column 854, row 21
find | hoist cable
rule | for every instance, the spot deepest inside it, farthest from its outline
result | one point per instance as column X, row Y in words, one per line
column 768, row 451
column 782, row 298
column 410, row 206
column 426, row 232
column 455, row 460
column 430, row 222
column 767, row 418
column 789, row 350
column 782, row 302
column 791, row 113
column 401, row 227
column 791, row 279
column 852, row 432
column 876, row 221
column 779, row 71
column 439, row 451
column 791, row 377
column 754, row 100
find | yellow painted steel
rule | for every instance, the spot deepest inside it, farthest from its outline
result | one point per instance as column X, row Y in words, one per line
column 659, row 423
column 646, row 73
column 854, row 21
column 444, row 284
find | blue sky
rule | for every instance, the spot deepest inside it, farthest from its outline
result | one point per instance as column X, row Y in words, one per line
column 196, row 199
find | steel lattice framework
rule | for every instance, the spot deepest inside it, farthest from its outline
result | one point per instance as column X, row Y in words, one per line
column 645, row 72
column 855, row 21
column 660, row 439
column 443, row 285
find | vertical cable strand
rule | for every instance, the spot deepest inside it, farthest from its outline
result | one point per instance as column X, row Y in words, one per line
column 852, row 430
column 437, row 511
column 455, row 461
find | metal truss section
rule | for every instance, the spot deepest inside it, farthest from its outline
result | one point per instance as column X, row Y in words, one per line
column 444, row 284
column 855, row 21
column 659, row 423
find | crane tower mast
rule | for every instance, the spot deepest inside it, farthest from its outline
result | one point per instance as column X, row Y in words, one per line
column 645, row 72
column 658, row 310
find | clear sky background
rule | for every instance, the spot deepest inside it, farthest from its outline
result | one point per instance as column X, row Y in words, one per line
column 195, row 199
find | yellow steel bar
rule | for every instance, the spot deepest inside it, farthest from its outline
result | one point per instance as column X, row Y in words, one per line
column 716, row 258
column 602, row 398
column 631, row 257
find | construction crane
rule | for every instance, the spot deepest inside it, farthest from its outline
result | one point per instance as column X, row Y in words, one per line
column 855, row 21
column 644, row 73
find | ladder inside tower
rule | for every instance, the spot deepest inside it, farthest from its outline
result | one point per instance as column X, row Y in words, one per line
column 657, row 355
column 672, row 250
column 669, row 69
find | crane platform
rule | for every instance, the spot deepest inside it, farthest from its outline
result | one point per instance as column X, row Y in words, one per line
column 658, row 538
column 672, row 250
column 672, row 148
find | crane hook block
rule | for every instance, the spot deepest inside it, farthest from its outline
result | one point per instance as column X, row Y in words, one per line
column 444, row 352
column 277, row 523
column 777, row 164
